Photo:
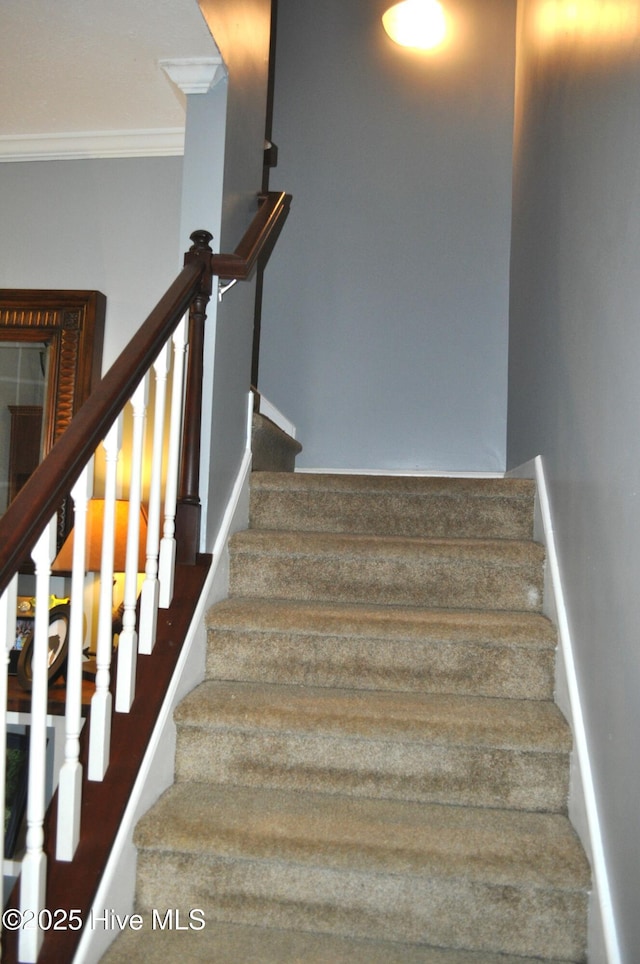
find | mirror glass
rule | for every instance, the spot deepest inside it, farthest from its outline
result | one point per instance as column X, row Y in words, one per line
column 50, row 360
column 23, row 386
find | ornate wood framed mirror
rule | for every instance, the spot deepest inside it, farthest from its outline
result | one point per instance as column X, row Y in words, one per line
column 50, row 359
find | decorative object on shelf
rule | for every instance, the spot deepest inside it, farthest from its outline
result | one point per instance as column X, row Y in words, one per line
column 420, row 24
column 26, row 607
column 24, row 636
column 25, row 614
column 58, row 645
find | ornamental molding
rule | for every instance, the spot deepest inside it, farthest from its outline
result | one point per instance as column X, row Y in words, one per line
column 195, row 75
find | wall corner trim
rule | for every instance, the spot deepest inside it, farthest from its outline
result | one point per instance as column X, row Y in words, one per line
column 583, row 808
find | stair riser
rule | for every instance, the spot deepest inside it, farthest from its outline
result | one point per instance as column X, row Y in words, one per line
column 272, row 449
column 468, row 776
column 382, row 514
column 416, row 909
column 463, row 669
column 365, row 579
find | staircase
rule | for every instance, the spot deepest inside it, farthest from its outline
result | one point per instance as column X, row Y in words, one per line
column 374, row 769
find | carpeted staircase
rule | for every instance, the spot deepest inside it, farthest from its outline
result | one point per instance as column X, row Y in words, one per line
column 374, row 769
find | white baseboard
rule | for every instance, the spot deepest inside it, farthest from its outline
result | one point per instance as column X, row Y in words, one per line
column 117, row 888
column 426, row 473
column 603, row 938
column 274, row 414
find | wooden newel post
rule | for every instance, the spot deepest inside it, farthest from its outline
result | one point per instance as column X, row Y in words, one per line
column 188, row 503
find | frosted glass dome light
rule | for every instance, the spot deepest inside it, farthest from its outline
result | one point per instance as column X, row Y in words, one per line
column 416, row 23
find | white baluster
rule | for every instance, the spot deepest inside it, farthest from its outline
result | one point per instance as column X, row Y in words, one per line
column 34, row 863
column 70, row 785
column 168, row 545
column 8, row 611
column 128, row 641
column 101, row 702
column 8, row 608
column 8, row 603
column 151, row 587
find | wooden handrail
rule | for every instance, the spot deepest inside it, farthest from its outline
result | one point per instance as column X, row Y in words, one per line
column 258, row 240
column 254, row 248
column 51, row 482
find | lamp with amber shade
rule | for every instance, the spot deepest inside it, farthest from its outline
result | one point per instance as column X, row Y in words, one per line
column 93, row 551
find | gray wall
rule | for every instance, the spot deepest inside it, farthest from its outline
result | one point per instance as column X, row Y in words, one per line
column 574, row 389
column 385, row 311
column 109, row 225
column 231, row 157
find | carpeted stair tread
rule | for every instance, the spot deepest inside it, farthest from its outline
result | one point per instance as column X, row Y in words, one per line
column 394, row 505
column 407, row 746
column 462, row 488
column 411, row 717
column 447, row 876
column 512, row 552
column 498, row 654
column 402, row 623
column 368, row 836
column 440, row 573
column 225, row 943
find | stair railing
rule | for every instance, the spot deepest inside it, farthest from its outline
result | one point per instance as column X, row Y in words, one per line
column 28, row 531
column 254, row 248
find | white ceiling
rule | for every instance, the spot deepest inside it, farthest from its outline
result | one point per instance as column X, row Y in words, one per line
column 75, row 66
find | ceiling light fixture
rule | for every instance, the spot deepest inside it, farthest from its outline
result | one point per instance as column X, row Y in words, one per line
column 416, row 23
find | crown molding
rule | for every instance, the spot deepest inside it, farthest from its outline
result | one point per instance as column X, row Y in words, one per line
column 194, row 75
column 162, row 142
